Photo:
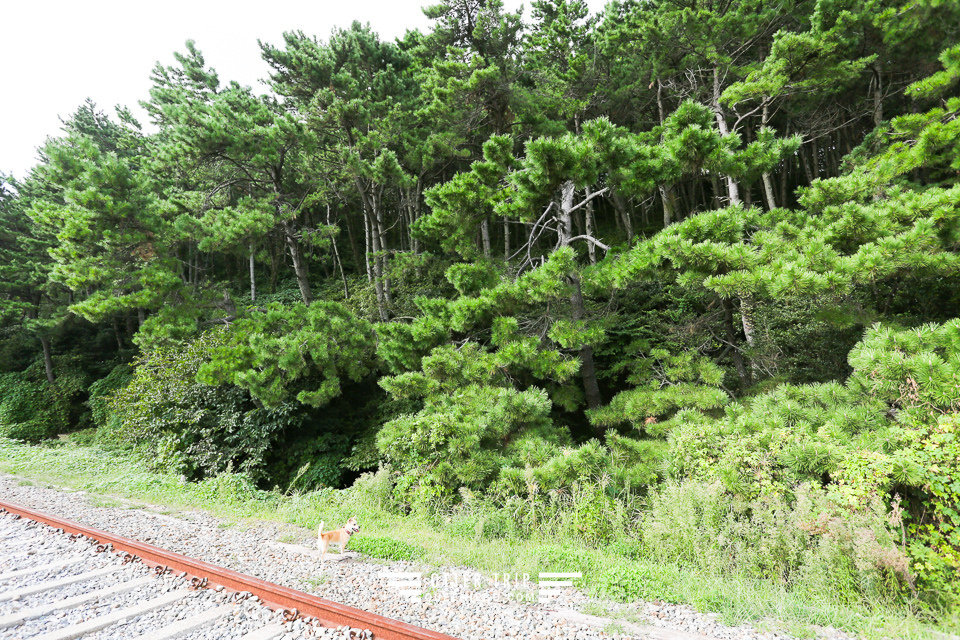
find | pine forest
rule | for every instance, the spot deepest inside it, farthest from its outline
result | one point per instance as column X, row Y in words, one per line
column 679, row 279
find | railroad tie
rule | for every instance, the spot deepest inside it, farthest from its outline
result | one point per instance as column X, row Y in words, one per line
column 187, row 625
column 44, row 567
column 101, row 622
column 268, row 632
column 55, row 584
column 23, row 615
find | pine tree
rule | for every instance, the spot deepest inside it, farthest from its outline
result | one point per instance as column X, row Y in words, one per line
column 353, row 93
column 27, row 296
column 233, row 143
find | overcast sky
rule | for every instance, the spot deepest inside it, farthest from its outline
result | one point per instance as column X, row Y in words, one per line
column 57, row 53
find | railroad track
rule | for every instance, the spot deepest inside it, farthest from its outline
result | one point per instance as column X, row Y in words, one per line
column 65, row 580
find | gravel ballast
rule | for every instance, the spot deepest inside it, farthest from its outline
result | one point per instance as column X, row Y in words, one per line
column 456, row 601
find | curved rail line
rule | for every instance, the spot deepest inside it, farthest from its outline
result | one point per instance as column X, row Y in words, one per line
column 275, row 596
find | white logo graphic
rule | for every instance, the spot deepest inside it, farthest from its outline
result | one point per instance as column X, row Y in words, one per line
column 551, row 587
column 407, row 583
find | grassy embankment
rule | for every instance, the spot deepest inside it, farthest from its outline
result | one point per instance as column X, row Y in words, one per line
column 460, row 541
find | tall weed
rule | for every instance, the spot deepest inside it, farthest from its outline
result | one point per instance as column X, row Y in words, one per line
column 809, row 542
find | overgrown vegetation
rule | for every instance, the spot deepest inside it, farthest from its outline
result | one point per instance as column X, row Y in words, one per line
column 475, row 534
column 668, row 285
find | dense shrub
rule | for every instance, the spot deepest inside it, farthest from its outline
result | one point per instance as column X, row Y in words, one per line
column 31, row 410
column 189, row 427
column 231, row 488
column 934, row 524
column 101, row 393
column 553, row 558
column 625, row 583
column 373, row 491
column 457, row 441
column 319, row 460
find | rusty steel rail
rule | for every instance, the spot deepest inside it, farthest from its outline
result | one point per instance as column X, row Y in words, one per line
column 275, row 596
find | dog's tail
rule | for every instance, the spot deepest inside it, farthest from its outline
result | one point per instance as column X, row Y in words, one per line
column 320, row 529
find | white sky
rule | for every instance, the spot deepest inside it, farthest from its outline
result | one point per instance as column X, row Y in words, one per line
column 57, row 53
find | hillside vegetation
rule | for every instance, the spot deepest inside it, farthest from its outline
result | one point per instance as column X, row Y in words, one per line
column 678, row 280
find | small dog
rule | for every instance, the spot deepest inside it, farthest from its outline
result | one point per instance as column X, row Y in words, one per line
column 339, row 536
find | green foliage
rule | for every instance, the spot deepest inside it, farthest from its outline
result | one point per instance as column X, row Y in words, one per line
column 935, row 532
column 402, row 346
column 913, row 370
column 809, row 541
column 734, row 423
column 292, row 352
column 385, row 548
column 320, row 462
column 459, row 440
column 107, row 223
column 101, row 393
column 374, row 491
column 31, row 410
column 189, row 427
column 669, row 383
column 472, row 422
column 554, row 558
column 459, row 206
column 476, row 518
column 231, row 489
column 624, row 583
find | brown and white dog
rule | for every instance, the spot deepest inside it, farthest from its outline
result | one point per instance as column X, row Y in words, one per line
column 338, row 536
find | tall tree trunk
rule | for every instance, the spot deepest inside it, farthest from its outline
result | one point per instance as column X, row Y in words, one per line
column 368, row 245
column 768, row 191
column 377, row 267
column 591, row 248
column 336, row 257
column 566, row 215
column 299, row 264
column 669, row 204
column 412, row 198
column 116, row 333
column 805, row 162
column 382, row 253
column 624, row 212
column 506, row 238
column 746, row 317
column 747, row 312
column 767, row 182
column 485, row 237
column 733, row 189
column 351, row 236
column 877, row 83
column 588, row 371
column 733, row 342
column 253, row 279
column 47, row 358
column 375, row 233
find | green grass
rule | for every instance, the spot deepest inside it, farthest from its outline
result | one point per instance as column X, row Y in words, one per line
column 114, row 478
